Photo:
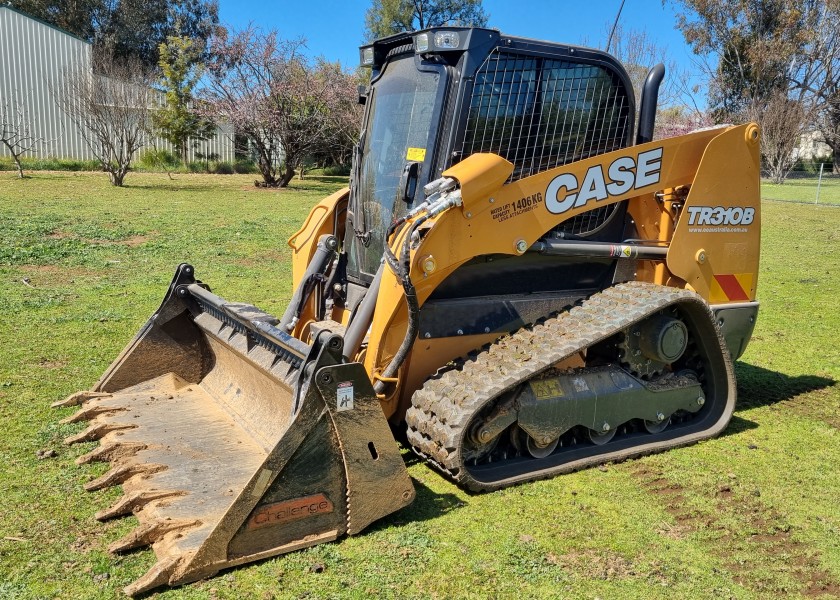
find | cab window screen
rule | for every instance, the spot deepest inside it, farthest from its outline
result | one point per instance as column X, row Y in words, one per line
column 541, row 113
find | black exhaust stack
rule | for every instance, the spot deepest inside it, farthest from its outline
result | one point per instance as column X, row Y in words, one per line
column 647, row 108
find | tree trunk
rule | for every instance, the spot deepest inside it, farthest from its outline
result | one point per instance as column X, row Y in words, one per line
column 267, row 174
column 288, row 174
column 117, row 176
column 15, row 157
column 19, row 167
column 264, row 164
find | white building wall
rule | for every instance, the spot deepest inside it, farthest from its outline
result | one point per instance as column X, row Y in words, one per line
column 33, row 58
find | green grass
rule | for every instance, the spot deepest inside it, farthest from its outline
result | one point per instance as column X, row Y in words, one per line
column 751, row 514
column 804, row 190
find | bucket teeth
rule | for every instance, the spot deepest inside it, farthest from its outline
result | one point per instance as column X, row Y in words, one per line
column 110, row 452
column 149, row 533
column 77, row 398
column 118, row 475
column 160, row 574
column 130, row 503
column 89, row 412
column 95, row 431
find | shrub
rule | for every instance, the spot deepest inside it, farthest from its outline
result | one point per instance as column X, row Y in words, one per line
column 336, row 170
column 222, row 168
column 159, row 159
column 51, row 164
column 242, row 166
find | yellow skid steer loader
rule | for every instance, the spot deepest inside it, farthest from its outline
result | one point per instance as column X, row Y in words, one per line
column 518, row 279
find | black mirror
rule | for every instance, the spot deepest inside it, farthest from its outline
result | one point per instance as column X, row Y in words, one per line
column 363, row 93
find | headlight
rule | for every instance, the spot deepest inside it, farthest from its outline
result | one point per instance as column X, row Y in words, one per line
column 421, row 42
column 447, row 40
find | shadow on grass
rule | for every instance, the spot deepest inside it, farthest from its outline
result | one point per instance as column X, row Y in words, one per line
column 758, row 386
column 322, row 178
column 172, row 185
column 738, row 425
column 427, row 505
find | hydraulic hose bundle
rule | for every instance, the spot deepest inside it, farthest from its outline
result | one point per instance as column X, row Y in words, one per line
column 441, row 196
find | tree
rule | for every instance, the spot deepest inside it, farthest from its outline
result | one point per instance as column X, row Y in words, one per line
column 110, row 105
column 782, row 122
column 673, row 121
column 638, row 52
column 272, row 94
column 753, row 42
column 181, row 70
column 387, row 17
column 343, row 121
column 126, row 28
column 758, row 48
column 816, row 74
column 17, row 132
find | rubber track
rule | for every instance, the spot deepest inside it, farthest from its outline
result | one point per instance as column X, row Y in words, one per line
column 443, row 408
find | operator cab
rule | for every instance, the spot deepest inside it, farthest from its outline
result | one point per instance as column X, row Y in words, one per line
column 439, row 95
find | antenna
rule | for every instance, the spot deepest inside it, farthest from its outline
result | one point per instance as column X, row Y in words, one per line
column 615, row 24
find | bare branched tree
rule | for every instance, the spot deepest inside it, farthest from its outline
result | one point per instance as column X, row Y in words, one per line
column 783, row 120
column 110, row 105
column 639, row 52
column 17, row 131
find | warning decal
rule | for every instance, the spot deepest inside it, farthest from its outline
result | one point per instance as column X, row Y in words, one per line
column 416, row 154
column 546, row 388
column 731, row 288
column 344, row 396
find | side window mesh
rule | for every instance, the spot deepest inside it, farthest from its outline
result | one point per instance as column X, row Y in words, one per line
column 541, row 113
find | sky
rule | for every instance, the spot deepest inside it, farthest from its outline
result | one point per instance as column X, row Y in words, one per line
column 335, row 29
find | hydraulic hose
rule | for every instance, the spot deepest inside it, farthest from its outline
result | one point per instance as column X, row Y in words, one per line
column 403, row 266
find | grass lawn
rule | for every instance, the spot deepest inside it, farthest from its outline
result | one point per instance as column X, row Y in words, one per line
column 751, row 514
column 804, row 190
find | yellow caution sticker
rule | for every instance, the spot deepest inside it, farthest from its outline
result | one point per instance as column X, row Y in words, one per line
column 416, row 154
column 546, row 388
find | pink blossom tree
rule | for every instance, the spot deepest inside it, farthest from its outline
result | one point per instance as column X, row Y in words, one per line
column 276, row 97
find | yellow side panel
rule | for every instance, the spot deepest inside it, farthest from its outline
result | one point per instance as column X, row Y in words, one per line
column 321, row 221
column 716, row 242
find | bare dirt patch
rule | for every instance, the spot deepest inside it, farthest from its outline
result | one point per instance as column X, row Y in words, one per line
column 594, row 565
column 51, row 275
column 134, row 241
column 770, row 541
column 46, row 363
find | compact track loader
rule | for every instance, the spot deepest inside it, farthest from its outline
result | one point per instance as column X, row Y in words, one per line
column 517, row 278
